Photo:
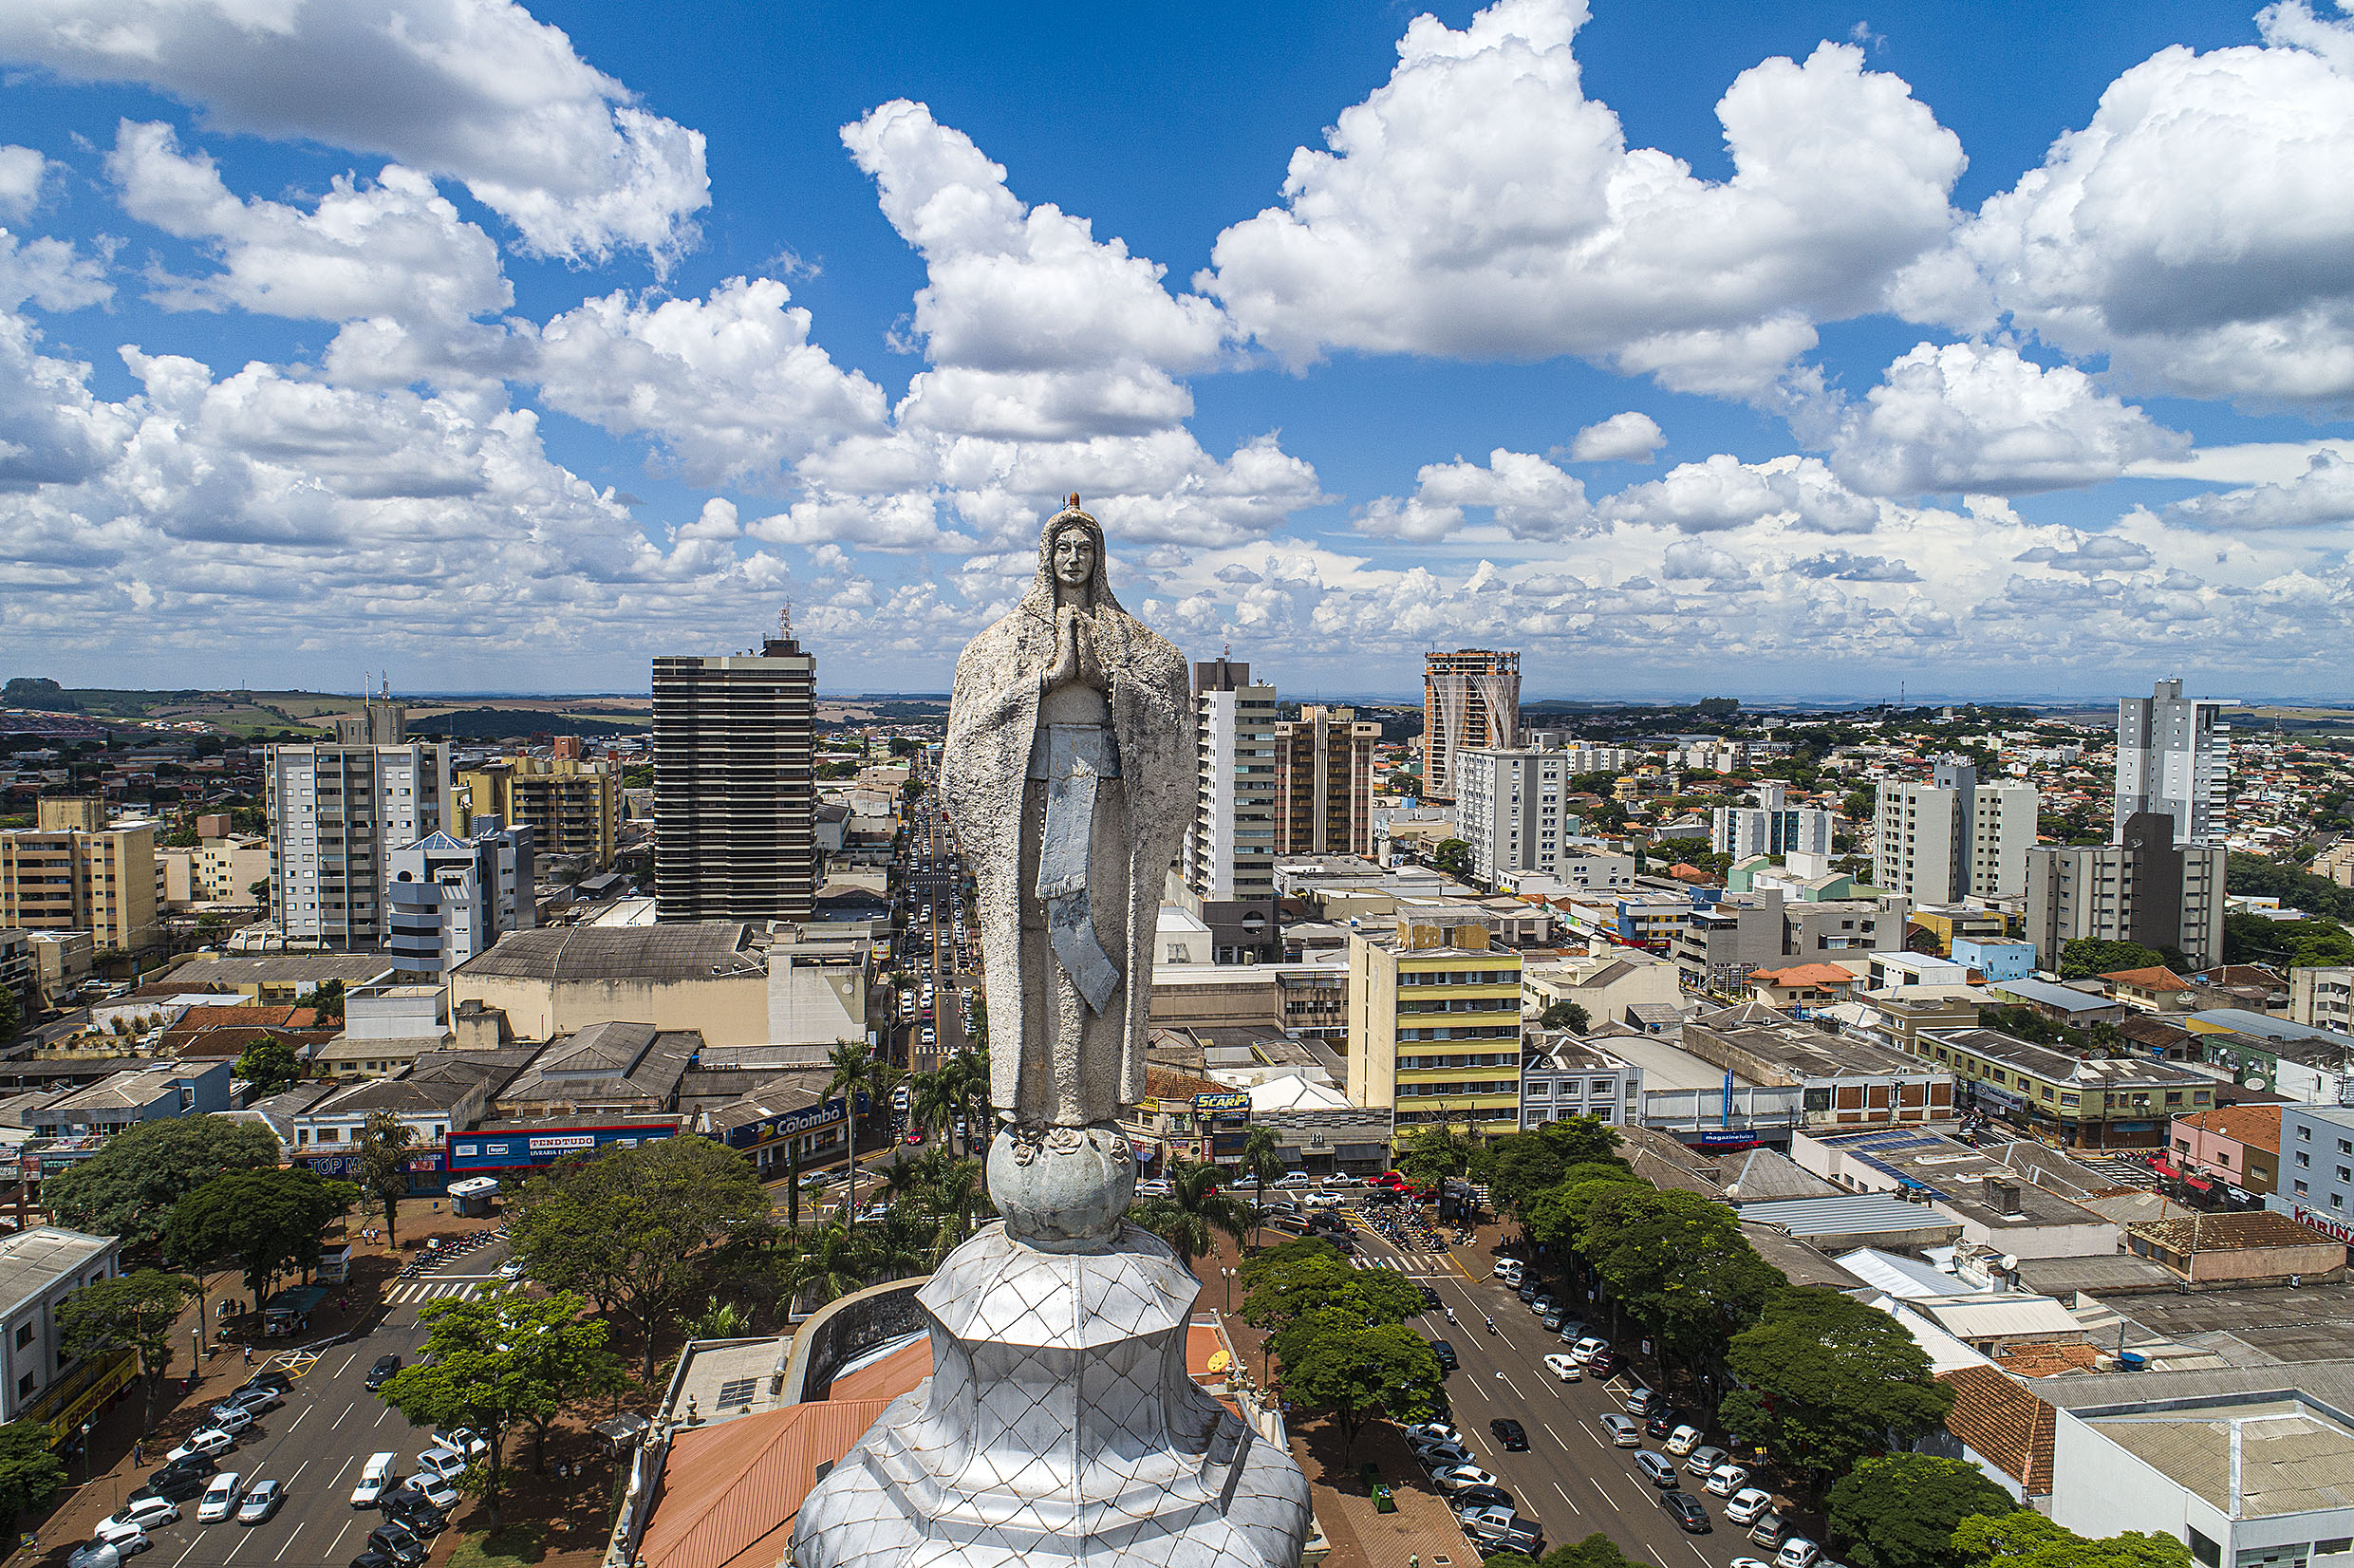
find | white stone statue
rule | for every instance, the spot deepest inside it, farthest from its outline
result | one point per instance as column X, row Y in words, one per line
column 1068, row 774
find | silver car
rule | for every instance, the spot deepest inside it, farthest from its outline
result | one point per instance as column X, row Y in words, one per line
column 1625, row 1431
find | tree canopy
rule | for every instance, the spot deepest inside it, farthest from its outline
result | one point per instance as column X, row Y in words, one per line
column 129, row 1187
column 1306, row 1276
column 1900, row 1510
column 625, row 1228
column 1677, row 1262
column 1355, row 1373
column 30, row 1472
column 1824, row 1380
column 270, row 1065
column 136, row 1310
column 268, row 1222
column 2081, row 958
column 1195, row 1207
column 1565, row 1015
column 2024, row 1538
column 502, row 1360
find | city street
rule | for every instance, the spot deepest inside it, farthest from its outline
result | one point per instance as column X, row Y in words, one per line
column 1571, row 1478
column 930, row 950
column 317, row 1442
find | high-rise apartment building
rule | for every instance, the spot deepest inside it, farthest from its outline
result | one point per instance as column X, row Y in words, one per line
column 1509, row 809
column 337, row 812
column 66, row 875
column 571, row 806
column 1325, row 783
column 1955, row 838
column 1470, row 701
column 2145, row 888
column 1770, row 828
column 451, row 897
column 1434, row 1023
column 1228, row 863
column 734, row 787
column 2174, row 753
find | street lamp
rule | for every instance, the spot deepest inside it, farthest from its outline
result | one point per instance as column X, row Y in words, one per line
column 1229, row 1288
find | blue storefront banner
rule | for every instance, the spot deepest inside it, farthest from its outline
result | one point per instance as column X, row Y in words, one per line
column 523, row 1147
column 768, row 1130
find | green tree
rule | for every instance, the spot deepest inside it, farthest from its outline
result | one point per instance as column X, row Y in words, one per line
column 1194, row 1208
column 269, row 1065
column 832, row 1262
column 135, row 1310
column 30, row 1472
column 1677, row 1262
column 1434, row 1150
column 268, row 1222
column 2023, row 1538
column 128, row 1187
column 1823, row 1380
column 1261, row 1163
column 2082, row 958
column 1556, row 1216
column 500, row 1360
column 1596, row 1551
column 11, row 1015
column 1354, row 1373
column 1301, row 1278
column 626, row 1228
column 1565, row 1015
column 1453, row 856
column 384, row 1141
column 854, row 1073
column 1900, row 1510
column 326, row 998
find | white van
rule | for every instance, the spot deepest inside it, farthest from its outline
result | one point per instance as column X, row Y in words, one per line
column 375, row 1481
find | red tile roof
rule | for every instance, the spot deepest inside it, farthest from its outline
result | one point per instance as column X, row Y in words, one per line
column 2255, row 1125
column 2156, row 978
column 1994, row 1413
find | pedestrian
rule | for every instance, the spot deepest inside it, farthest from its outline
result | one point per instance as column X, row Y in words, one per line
column 249, row 1355
column 139, row 1457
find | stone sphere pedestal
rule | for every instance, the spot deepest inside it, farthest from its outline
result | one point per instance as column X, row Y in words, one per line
column 1059, row 1425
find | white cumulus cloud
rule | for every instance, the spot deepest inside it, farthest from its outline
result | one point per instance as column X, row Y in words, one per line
column 1725, row 493
column 1629, row 438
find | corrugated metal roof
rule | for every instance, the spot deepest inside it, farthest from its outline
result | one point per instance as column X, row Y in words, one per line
column 1848, row 1214
column 730, row 1492
column 686, row 951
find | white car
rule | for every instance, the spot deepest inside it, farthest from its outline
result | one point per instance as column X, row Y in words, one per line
column 1683, row 1440
column 220, row 1499
column 446, row 1463
column 1587, row 1349
column 433, row 1489
column 1429, row 1430
column 1456, row 1478
column 511, row 1269
column 1508, row 1269
column 145, row 1514
column 1797, row 1552
column 1728, row 1481
column 124, row 1539
column 1751, row 1563
column 1745, row 1505
column 1152, row 1189
column 231, row 1418
column 205, row 1440
column 375, row 1480
column 1563, row 1367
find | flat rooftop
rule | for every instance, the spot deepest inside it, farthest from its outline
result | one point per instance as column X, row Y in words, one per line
column 1769, row 1035
column 2293, row 1456
column 2110, row 1074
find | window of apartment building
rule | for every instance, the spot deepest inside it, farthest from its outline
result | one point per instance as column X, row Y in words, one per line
column 2345, row 1146
column 23, row 1387
column 23, row 1335
column 2305, row 1135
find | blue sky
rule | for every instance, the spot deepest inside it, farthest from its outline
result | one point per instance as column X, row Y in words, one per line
column 1771, row 350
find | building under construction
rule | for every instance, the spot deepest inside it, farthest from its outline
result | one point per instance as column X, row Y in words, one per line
column 1470, row 701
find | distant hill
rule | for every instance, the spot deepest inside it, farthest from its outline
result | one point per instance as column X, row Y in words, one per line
column 497, row 723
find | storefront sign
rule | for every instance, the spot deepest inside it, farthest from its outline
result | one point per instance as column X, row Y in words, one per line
column 2337, row 1230
column 509, row 1149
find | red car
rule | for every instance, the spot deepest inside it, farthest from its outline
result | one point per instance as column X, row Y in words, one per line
column 915, row 1136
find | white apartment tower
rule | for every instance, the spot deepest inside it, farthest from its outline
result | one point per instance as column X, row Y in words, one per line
column 1955, row 838
column 2174, row 753
column 1770, row 828
column 1509, row 809
column 452, row 898
column 1228, row 867
column 337, row 813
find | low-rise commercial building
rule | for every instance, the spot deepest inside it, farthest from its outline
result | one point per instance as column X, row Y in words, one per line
column 1607, row 984
column 1843, row 1082
column 153, row 1092
column 1997, row 1207
column 2237, row 1249
column 2119, row 1102
column 39, row 1269
column 701, row 976
column 1562, row 1077
column 2236, row 1145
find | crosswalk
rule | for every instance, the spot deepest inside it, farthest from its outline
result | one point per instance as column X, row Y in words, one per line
column 1410, row 1262
column 433, row 1290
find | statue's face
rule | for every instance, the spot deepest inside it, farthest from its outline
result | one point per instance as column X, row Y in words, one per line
column 1075, row 557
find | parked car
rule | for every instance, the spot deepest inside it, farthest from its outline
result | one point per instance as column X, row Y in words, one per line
column 430, row 1487
column 205, row 1441
column 145, row 1514
column 94, row 1553
column 127, row 1540
column 261, row 1501
column 376, row 1478
column 1606, row 1364
column 1445, row 1352
column 1549, row 1319
column 1433, row 1428
column 414, row 1514
column 1481, row 1497
column 1456, row 1478
column 381, row 1371
column 1290, row 1180
column 1682, row 1440
column 1704, row 1459
column 1797, row 1552
column 1728, row 1481
column 1686, row 1510
column 1528, row 1289
column 398, row 1544
column 1573, row 1330
column 220, row 1498
column 270, row 1378
column 1745, row 1505
column 446, row 1463
column 1510, row 1433
column 1440, row 1456
column 1541, row 1303
column 1770, row 1530
column 1563, row 1367
column 464, row 1440
column 1585, row 1349
column 230, row 1418
column 1664, row 1419
column 1657, row 1468
column 257, row 1398
column 1639, row 1401
column 173, row 1485
column 1623, row 1432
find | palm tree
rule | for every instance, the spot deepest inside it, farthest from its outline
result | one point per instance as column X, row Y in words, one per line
column 1263, row 1156
column 826, row 1264
column 1192, row 1210
column 968, row 1072
column 937, row 1101
column 853, row 1075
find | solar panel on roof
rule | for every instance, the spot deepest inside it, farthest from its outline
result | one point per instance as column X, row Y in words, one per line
column 735, row 1390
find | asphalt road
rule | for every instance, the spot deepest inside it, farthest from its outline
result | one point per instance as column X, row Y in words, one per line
column 1570, row 1477
column 932, row 945
column 317, row 1442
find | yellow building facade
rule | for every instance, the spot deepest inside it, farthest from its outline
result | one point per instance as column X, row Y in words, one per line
column 1434, row 1025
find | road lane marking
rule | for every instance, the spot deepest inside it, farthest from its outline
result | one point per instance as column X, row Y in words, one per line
column 1551, row 1433
column 348, row 1465
column 297, row 1421
column 298, row 1470
column 183, row 1557
column 379, row 1417
column 346, row 1366
column 290, row 1543
column 332, row 1544
column 1654, row 1555
column 1514, row 1387
column 1702, row 1556
column 338, row 1420
column 1571, row 1501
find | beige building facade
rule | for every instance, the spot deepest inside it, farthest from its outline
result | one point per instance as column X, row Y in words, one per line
column 1434, row 1024
column 76, row 878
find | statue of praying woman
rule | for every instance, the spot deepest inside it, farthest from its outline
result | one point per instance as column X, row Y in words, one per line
column 1068, row 775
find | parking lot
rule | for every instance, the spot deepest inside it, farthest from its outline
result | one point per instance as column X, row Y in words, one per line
column 316, row 1443
column 1571, row 1478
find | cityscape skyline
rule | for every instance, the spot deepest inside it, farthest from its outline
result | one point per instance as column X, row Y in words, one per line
column 627, row 345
